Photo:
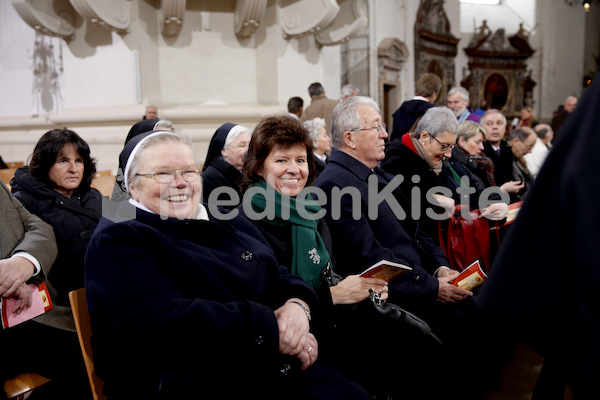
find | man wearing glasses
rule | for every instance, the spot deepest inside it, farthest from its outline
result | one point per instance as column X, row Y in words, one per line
column 367, row 228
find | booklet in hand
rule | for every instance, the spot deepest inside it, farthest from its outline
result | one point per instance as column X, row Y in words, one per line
column 470, row 277
column 386, row 270
column 40, row 303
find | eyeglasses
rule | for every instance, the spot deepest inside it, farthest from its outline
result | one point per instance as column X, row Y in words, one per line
column 379, row 128
column 445, row 147
column 165, row 175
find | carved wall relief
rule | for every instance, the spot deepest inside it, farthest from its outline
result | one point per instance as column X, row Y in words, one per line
column 497, row 67
column 435, row 46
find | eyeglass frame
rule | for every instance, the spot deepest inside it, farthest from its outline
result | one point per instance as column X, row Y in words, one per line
column 378, row 128
column 444, row 147
column 173, row 173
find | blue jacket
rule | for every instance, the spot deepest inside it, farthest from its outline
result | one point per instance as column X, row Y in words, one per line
column 360, row 243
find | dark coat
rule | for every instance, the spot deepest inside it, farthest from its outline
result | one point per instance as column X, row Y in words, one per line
column 280, row 239
column 559, row 116
column 543, row 285
column 339, row 327
column 220, row 173
column 177, row 302
column 503, row 164
column 319, row 165
column 407, row 114
column 360, row 243
column 521, row 173
column 401, row 160
column 73, row 220
column 477, row 175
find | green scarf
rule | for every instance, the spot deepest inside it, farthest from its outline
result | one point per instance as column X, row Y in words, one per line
column 310, row 254
column 453, row 173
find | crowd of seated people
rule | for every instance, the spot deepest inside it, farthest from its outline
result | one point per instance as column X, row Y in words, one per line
column 178, row 293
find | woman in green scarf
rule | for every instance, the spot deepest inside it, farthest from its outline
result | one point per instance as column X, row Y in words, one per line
column 278, row 165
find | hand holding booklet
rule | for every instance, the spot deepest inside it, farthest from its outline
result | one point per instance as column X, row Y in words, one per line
column 40, row 303
column 386, row 270
column 470, row 277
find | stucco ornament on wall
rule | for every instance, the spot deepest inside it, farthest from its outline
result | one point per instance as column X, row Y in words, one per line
column 52, row 18
column 172, row 12
column 352, row 17
column 47, row 66
column 307, row 17
column 112, row 15
column 247, row 16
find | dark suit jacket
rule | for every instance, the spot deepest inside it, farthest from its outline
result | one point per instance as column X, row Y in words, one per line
column 407, row 114
column 503, row 164
column 357, row 244
column 319, row 165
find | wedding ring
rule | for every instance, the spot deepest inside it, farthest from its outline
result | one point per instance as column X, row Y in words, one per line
column 309, row 349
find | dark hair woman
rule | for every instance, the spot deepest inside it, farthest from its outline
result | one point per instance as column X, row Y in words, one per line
column 55, row 186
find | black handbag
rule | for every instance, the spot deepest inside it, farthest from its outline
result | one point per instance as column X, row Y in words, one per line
column 395, row 317
column 380, row 314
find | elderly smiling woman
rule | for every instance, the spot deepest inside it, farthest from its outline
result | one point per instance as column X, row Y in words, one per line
column 186, row 305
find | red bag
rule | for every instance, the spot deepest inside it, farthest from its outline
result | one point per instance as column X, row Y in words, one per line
column 467, row 239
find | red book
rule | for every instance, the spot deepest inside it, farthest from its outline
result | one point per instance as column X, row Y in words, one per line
column 513, row 211
column 40, row 303
column 470, row 277
column 386, row 270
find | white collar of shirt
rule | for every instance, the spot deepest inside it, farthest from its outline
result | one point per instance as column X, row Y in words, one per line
column 322, row 158
column 496, row 148
column 420, row 98
column 202, row 213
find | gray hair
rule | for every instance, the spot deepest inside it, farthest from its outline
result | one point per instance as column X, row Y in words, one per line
column 164, row 125
column 345, row 118
column 314, row 126
column 347, row 91
column 521, row 133
column 464, row 93
column 543, row 130
column 436, row 121
column 153, row 140
column 234, row 133
column 491, row 111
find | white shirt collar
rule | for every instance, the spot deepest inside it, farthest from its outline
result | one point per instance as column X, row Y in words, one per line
column 322, row 158
column 202, row 213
